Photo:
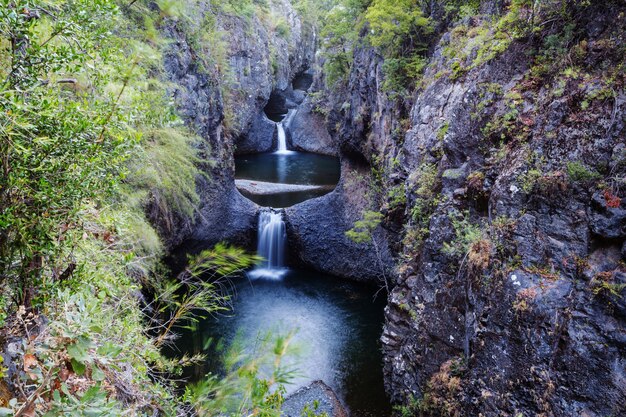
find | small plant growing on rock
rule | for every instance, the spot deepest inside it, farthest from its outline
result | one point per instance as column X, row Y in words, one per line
column 396, row 197
column 443, row 389
column 363, row 232
column 577, row 172
column 308, row 412
column 478, row 256
column 467, row 234
column 524, row 299
column 603, row 284
column 475, row 180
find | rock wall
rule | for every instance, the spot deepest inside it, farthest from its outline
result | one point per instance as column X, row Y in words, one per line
column 317, row 232
column 308, row 131
column 509, row 296
column 223, row 104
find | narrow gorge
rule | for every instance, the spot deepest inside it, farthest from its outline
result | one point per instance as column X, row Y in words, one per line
column 300, row 208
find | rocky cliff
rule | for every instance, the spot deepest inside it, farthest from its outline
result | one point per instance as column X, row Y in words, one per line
column 502, row 194
column 223, row 69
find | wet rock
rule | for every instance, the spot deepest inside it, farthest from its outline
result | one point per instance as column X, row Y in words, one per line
column 316, row 231
column 260, row 137
column 224, row 215
column 317, row 393
column 608, row 222
column 309, row 133
column 265, row 188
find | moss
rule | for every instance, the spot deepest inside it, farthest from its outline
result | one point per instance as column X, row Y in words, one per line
column 443, row 130
column 578, row 172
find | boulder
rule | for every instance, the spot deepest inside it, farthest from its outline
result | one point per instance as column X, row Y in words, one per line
column 309, row 133
column 318, row 397
column 316, row 232
column 607, row 222
column 260, row 137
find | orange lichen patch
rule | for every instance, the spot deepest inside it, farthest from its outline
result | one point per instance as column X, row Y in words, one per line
column 444, row 388
column 612, row 201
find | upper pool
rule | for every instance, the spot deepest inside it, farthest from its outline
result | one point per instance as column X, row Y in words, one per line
column 294, row 168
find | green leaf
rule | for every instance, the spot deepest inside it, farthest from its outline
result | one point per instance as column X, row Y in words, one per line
column 78, row 352
column 78, row 367
column 97, row 374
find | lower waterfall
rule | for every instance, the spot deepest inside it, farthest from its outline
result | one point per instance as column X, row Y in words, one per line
column 271, row 245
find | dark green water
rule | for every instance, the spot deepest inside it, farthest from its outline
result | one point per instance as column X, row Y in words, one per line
column 338, row 325
column 294, row 168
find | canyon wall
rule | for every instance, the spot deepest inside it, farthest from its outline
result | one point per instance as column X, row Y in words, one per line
column 509, row 234
column 220, row 91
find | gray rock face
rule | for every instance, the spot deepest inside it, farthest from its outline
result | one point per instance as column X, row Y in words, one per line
column 306, row 397
column 309, row 133
column 540, row 329
column 260, row 138
column 540, row 323
column 316, row 230
column 607, row 222
column 223, row 213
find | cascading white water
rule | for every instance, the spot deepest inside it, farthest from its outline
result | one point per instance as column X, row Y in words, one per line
column 282, row 139
column 271, row 246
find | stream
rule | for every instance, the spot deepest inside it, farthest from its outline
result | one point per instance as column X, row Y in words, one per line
column 337, row 323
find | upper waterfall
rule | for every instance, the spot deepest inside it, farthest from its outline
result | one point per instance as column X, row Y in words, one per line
column 282, row 140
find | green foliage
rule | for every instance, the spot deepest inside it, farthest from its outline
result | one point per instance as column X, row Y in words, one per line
column 579, row 173
column 247, row 389
column 467, row 233
column 397, row 26
column 443, row 130
column 339, row 32
column 242, row 8
column 168, row 170
column 425, row 182
column 471, row 47
column 396, row 196
column 363, row 229
column 399, row 30
column 196, row 293
column 307, row 411
column 529, row 179
column 61, row 148
column 459, row 9
column 281, row 27
column 402, row 73
column 413, row 408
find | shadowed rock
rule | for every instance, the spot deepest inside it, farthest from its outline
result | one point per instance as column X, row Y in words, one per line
column 317, row 393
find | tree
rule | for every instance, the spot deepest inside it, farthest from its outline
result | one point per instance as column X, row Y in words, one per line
column 60, row 147
column 397, row 26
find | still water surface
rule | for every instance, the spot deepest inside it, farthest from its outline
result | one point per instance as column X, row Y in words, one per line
column 338, row 325
column 295, row 168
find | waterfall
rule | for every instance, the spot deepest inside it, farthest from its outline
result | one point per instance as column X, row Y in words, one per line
column 271, row 245
column 282, row 140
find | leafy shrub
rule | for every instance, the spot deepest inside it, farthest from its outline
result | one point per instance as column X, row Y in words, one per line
column 397, row 26
column 362, row 230
column 468, row 234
